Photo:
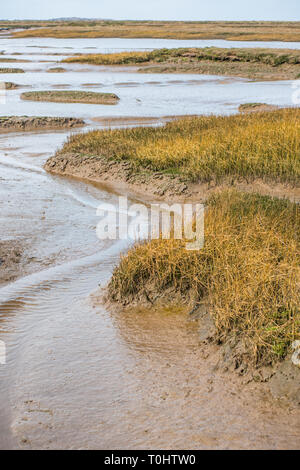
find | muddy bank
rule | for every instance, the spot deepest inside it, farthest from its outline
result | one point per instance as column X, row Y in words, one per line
column 32, row 123
column 10, row 86
column 18, row 259
column 134, row 120
column 11, row 261
column 11, row 70
column 227, row 358
column 256, row 107
column 282, row 379
column 252, row 71
column 122, row 176
column 56, row 70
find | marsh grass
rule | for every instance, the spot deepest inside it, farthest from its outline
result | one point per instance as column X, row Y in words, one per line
column 248, row 272
column 231, row 30
column 71, row 97
column 262, row 145
column 11, row 70
column 273, row 57
column 259, row 64
column 56, row 70
column 10, row 85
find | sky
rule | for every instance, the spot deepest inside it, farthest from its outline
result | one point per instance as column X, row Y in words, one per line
column 153, row 9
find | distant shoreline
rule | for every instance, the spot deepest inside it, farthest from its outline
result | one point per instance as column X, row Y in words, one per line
column 230, row 30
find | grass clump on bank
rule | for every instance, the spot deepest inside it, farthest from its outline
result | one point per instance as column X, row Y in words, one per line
column 245, row 147
column 248, row 272
column 274, row 57
column 10, row 86
column 11, row 70
column 261, row 64
column 56, row 70
column 71, row 97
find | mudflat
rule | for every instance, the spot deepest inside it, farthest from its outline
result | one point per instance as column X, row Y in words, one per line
column 31, row 123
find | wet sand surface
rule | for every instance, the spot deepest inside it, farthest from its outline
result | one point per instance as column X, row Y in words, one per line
column 78, row 375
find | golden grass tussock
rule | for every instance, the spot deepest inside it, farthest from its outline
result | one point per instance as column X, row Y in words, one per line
column 248, row 271
column 230, row 30
column 262, row 145
column 273, row 57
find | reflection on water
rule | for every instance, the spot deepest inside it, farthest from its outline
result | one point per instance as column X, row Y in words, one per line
column 77, row 375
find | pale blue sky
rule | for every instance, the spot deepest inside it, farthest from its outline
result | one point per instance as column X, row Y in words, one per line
column 153, row 9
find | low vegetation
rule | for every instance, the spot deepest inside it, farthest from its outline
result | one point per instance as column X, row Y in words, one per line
column 263, row 145
column 256, row 107
column 10, row 85
column 11, row 70
column 230, row 30
column 274, row 57
column 248, row 272
column 56, row 70
column 258, row 63
column 71, row 97
column 8, row 59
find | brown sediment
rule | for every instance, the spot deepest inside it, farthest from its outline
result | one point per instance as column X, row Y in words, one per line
column 221, row 362
column 11, row 70
column 11, row 86
column 252, row 71
column 61, row 85
column 56, row 70
column 123, row 176
column 4, row 59
column 11, row 261
column 132, row 120
column 92, row 85
column 31, row 123
column 71, row 97
column 17, row 260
